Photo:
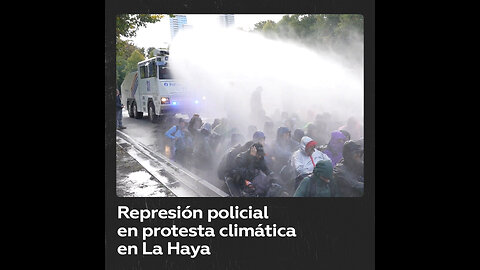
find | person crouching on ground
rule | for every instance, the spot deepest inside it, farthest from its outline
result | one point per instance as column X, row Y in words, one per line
column 348, row 173
column 203, row 148
column 248, row 165
column 335, row 147
column 320, row 183
column 176, row 135
column 305, row 159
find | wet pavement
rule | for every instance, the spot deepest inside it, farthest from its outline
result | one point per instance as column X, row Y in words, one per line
column 152, row 136
column 134, row 181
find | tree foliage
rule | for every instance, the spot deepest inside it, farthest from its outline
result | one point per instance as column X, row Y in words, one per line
column 150, row 52
column 318, row 31
column 128, row 64
column 258, row 27
column 127, row 26
column 131, row 64
column 124, row 58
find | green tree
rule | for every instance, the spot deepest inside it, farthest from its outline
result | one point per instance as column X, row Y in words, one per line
column 351, row 22
column 348, row 25
column 150, row 52
column 318, row 31
column 121, row 63
column 270, row 28
column 132, row 61
column 258, row 27
column 121, row 60
column 125, row 49
column 128, row 24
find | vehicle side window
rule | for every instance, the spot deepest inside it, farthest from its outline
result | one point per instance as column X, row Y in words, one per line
column 164, row 73
column 142, row 72
column 152, row 69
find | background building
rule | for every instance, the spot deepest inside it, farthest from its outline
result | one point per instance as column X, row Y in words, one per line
column 227, row 20
column 176, row 24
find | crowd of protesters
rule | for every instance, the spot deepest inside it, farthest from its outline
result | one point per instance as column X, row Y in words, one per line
column 323, row 158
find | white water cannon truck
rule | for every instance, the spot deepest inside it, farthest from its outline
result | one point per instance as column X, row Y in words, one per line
column 152, row 90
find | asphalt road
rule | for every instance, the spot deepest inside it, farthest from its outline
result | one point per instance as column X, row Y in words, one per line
column 153, row 136
column 134, row 181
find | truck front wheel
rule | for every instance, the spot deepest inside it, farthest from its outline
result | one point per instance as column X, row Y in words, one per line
column 136, row 114
column 151, row 112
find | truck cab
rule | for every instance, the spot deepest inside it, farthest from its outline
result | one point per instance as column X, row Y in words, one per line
column 151, row 89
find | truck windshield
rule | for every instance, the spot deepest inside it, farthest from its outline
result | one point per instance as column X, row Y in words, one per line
column 164, row 73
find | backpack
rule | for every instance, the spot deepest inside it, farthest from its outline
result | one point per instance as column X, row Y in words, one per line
column 261, row 183
column 226, row 164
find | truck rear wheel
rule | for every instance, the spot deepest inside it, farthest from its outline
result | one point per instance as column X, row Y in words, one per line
column 151, row 112
column 136, row 114
column 130, row 109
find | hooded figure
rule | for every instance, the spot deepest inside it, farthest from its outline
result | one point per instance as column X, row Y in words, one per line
column 348, row 174
column 282, row 149
column 298, row 134
column 248, row 165
column 354, row 128
column 194, row 127
column 178, row 139
column 312, row 131
column 227, row 163
column 259, row 137
column 195, row 124
column 347, row 135
column 335, row 147
column 221, row 128
column 202, row 150
column 305, row 158
column 320, row 183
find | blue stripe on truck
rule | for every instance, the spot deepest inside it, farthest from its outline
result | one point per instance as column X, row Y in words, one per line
column 133, row 89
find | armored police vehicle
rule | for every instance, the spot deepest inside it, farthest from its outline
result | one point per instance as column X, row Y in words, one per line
column 152, row 90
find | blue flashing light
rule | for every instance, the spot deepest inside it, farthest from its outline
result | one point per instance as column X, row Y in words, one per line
column 196, row 101
column 174, row 103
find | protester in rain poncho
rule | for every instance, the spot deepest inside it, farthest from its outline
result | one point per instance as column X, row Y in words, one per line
column 354, row 128
column 312, row 132
column 335, row 147
column 320, row 183
column 176, row 134
column 281, row 150
column 250, row 171
column 348, row 173
column 202, row 150
column 298, row 135
column 305, row 158
column 195, row 124
column 259, row 137
column 347, row 135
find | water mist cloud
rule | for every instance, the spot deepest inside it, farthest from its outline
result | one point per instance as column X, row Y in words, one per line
column 227, row 65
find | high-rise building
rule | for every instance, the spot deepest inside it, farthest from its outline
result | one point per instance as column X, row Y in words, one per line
column 227, row 20
column 176, row 24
